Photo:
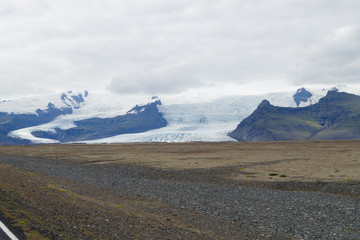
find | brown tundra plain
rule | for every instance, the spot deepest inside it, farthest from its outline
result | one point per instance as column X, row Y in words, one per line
column 229, row 190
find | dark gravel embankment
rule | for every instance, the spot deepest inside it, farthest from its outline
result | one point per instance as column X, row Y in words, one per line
column 290, row 214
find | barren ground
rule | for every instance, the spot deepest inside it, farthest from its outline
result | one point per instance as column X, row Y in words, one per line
column 42, row 205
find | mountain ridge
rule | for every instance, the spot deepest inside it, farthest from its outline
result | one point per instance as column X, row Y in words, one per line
column 99, row 118
column 335, row 116
column 10, row 121
column 138, row 119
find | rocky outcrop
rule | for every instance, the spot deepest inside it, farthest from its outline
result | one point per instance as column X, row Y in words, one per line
column 335, row 116
column 138, row 119
column 302, row 95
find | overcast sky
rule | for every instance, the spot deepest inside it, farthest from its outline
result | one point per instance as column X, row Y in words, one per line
column 171, row 46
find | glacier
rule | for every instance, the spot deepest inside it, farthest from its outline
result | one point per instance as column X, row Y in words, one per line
column 207, row 120
column 211, row 121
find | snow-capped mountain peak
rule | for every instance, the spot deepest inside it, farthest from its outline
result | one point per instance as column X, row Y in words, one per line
column 31, row 105
column 180, row 119
column 73, row 100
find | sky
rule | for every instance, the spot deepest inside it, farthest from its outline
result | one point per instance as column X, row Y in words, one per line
column 160, row 47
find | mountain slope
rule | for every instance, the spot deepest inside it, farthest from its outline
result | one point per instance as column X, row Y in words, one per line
column 211, row 120
column 22, row 117
column 138, row 119
column 302, row 95
column 335, row 116
column 106, row 118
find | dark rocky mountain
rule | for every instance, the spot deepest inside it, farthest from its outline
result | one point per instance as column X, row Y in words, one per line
column 138, row 119
column 302, row 95
column 22, row 121
column 22, row 115
column 13, row 121
column 335, row 116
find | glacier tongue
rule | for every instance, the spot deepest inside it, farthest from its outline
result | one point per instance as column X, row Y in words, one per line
column 212, row 120
column 175, row 133
column 205, row 121
column 209, row 120
column 30, row 105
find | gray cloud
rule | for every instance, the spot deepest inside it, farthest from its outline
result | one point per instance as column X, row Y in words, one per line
column 170, row 46
column 156, row 81
column 336, row 60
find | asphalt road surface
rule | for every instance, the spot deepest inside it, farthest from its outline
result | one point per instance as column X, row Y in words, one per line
column 3, row 235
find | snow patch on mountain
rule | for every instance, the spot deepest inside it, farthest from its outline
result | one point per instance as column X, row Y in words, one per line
column 212, row 120
column 108, row 106
column 95, row 106
column 26, row 133
column 319, row 93
column 207, row 120
column 30, row 105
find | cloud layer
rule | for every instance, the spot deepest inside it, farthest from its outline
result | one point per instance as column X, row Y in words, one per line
column 336, row 60
column 163, row 46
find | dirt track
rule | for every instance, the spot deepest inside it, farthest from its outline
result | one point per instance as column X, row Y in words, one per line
column 183, row 191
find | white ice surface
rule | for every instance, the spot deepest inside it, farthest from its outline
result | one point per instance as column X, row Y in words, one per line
column 95, row 106
column 25, row 133
column 208, row 120
column 202, row 121
column 212, row 120
column 176, row 133
column 29, row 105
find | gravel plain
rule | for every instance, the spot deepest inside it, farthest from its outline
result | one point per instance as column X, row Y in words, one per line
column 263, row 213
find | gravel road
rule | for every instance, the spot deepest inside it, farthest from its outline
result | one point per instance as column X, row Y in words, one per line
column 290, row 214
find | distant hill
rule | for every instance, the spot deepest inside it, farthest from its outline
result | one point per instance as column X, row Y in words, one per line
column 106, row 118
column 19, row 118
column 302, row 95
column 28, row 121
column 138, row 119
column 335, row 116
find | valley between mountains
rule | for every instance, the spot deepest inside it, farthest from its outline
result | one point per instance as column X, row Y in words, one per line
column 231, row 190
column 335, row 116
column 142, row 185
column 83, row 117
